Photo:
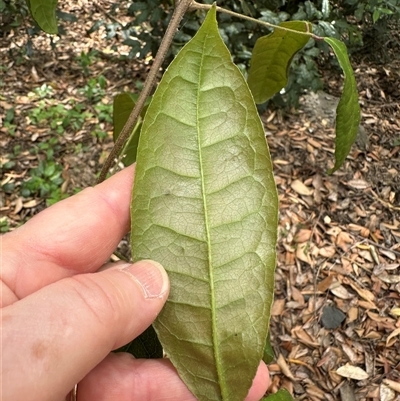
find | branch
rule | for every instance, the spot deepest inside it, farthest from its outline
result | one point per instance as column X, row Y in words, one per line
column 181, row 7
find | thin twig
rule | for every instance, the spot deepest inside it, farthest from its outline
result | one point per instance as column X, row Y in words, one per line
column 173, row 25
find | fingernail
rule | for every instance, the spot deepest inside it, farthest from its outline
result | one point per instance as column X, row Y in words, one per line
column 151, row 276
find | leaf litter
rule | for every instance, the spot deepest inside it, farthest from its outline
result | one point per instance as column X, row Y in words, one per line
column 339, row 235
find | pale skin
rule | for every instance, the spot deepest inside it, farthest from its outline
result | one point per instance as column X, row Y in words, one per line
column 62, row 317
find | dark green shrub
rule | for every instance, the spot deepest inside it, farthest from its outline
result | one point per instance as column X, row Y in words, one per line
column 349, row 20
column 150, row 19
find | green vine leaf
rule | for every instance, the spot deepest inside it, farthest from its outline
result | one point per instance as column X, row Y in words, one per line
column 205, row 206
column 271, row 59
column 348, row 113
column 44, row 13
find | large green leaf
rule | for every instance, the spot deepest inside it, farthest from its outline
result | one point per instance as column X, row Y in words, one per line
column 205, row 206
column 44, row 13
column 271, row 58
column 348, row 111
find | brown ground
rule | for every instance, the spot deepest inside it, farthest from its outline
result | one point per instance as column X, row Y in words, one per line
column 339, row 247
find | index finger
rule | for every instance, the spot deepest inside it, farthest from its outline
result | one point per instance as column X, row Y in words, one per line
column 76, row 235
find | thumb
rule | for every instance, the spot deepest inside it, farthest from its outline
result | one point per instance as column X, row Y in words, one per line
column 55, row 336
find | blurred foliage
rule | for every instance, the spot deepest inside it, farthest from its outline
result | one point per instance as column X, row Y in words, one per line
column 365, row 25
column 369, row 27
column 348, row 20
column 150, row 19
column 15, row 16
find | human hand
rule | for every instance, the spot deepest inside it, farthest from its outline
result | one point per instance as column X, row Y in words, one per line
column 61, row 317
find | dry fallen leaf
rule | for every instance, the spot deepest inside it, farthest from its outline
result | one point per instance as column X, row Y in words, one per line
column 301, row 188
column 325, row 283
column 386, row 393
column 392, row 335
column 352, row 314
column 18, row 205
column 352, row 372
column 278, row 307
column 358, row 184
column 363, row 293
column 343, row 239
column 389, row 278
column 355, row 227
column 388, row 254
column 327, row 251
column 297, row 295
column 340, row 291
column 32, row 203
column 304, row 337
column 392, row 384
column 395, row 312
column 303, row 252
column 284, row 367
column 302, row 235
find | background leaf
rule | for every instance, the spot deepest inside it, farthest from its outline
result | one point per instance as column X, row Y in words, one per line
column 271, row 58
column 205, row 206
column 44, row 13
column 147, row 345
column 122, row 107
column 268, row 351
column 281, row 395
column 348, row 111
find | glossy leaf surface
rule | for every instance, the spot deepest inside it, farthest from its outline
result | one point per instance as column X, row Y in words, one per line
column 205, row 206
column 44, row 13
column 271, row 58
column 348, row 111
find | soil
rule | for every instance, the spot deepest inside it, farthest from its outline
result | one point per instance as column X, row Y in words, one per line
column 335, row 323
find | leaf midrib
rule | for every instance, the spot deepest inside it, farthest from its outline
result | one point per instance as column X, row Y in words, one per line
column 208, row 239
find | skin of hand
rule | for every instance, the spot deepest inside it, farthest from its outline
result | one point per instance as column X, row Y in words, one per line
column 64, row 310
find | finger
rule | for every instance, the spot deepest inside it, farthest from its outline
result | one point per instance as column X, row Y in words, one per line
column 54, row 337
column 75, row 235
column 123, row 378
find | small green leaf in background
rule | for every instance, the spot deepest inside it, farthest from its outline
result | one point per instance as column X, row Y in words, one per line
column 326, row 8
column 271, row 58
column 205, row 206
column 348, row 111
column 122, row 107
column 281, row 395
column 146, row 345
column 268, row 351
column 44, row 13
